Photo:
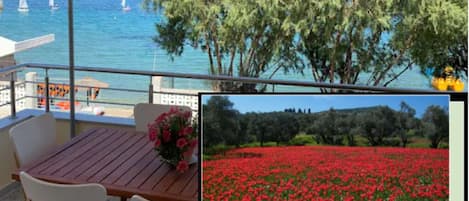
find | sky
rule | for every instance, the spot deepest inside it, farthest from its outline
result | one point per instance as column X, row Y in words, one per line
column 317, row 103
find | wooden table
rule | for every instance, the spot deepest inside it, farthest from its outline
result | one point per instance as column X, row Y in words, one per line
column 124, row 162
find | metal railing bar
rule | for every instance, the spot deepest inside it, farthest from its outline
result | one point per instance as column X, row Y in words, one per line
column 236, row 79
column 21, row 98
column 86, row 86
column 12, row 69
column 226, row 78
column 18, row 99
column 8, row 103
column 122, row 89
column 17, row 84
column 174, row 93
column 82, row 100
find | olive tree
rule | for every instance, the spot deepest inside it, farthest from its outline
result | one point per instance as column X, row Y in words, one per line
column 436, row 124
column 240, row 38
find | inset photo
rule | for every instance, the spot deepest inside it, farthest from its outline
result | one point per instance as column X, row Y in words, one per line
column 325, row 147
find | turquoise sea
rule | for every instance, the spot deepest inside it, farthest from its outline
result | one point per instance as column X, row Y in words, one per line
column 105, row 36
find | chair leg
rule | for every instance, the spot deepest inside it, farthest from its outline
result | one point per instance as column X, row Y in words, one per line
column 123, row 199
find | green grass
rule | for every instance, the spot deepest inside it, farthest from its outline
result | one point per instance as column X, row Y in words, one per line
column 309, row 140
column 217, row 149
column 302, row 139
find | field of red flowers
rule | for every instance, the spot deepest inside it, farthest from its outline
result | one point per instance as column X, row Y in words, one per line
column 328, row 173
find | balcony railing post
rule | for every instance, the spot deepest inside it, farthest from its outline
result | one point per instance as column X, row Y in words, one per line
column 12, row 96
column 46, row 80
column 273, row 88
column 150, row 91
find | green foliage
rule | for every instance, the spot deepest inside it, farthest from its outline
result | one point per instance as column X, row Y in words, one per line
column 243, row 38
column 393, row 142
column 374, row 126
column 216, row 149
column 405, row 122
column 270, row 144
column 301, row 140
column 435, row 125
column 377, row 125
column 206, row 157
column 326, row 128
column 439, row 30
column 350, row 42
column 220, row 122
column 252, row 144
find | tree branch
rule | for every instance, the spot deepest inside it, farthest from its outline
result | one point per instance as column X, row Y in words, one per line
column 395, row 60
column 217, row 50
column 399, row 74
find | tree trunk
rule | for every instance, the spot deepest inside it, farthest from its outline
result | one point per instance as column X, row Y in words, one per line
column 230, row 69
column 332, row 59
column 404, row 143
column 209, row 52
column 262, row 139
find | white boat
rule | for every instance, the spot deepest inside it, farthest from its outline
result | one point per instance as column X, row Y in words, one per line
column 1, row 4
column 124, row 6
column 52, row 5
column 23, row 6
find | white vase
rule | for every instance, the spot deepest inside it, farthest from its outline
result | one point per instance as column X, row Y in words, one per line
column 190, row 157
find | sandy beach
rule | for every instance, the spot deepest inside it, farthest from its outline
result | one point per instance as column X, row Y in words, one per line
column 108, row 111
column 119, row 112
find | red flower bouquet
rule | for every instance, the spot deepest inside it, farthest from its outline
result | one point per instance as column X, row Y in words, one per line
column 175, row 137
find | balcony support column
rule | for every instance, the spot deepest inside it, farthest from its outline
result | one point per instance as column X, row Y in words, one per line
column 150, row 91
column 47, row 91
column 12, row 96
column 71, row 55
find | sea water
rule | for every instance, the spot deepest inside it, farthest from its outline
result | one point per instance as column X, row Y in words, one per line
column 106, row 36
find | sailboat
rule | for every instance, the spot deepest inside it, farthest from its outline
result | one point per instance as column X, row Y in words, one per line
column 52, row 5
column 124, row 6
column 23, row 6
column 1, row 5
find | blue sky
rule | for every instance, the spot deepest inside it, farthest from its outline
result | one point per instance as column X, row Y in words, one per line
column 267, row 103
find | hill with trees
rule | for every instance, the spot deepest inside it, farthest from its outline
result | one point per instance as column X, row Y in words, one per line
column 368, row 126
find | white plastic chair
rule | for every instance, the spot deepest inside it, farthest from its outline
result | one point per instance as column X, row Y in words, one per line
column 138, row 198
column 145, row 113
column 37, row 190
column 33, row 138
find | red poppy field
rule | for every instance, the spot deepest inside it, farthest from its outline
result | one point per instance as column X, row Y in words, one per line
column 328, row 173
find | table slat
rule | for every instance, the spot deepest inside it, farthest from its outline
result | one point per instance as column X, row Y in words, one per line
column 156, row 177
column 62, row 152
column 73, row 165
column 143, row 176
column 103, row 173
column 136, row 169
column 183, row 180
column 106, row 160
column 127, row 164
column 101, row 136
